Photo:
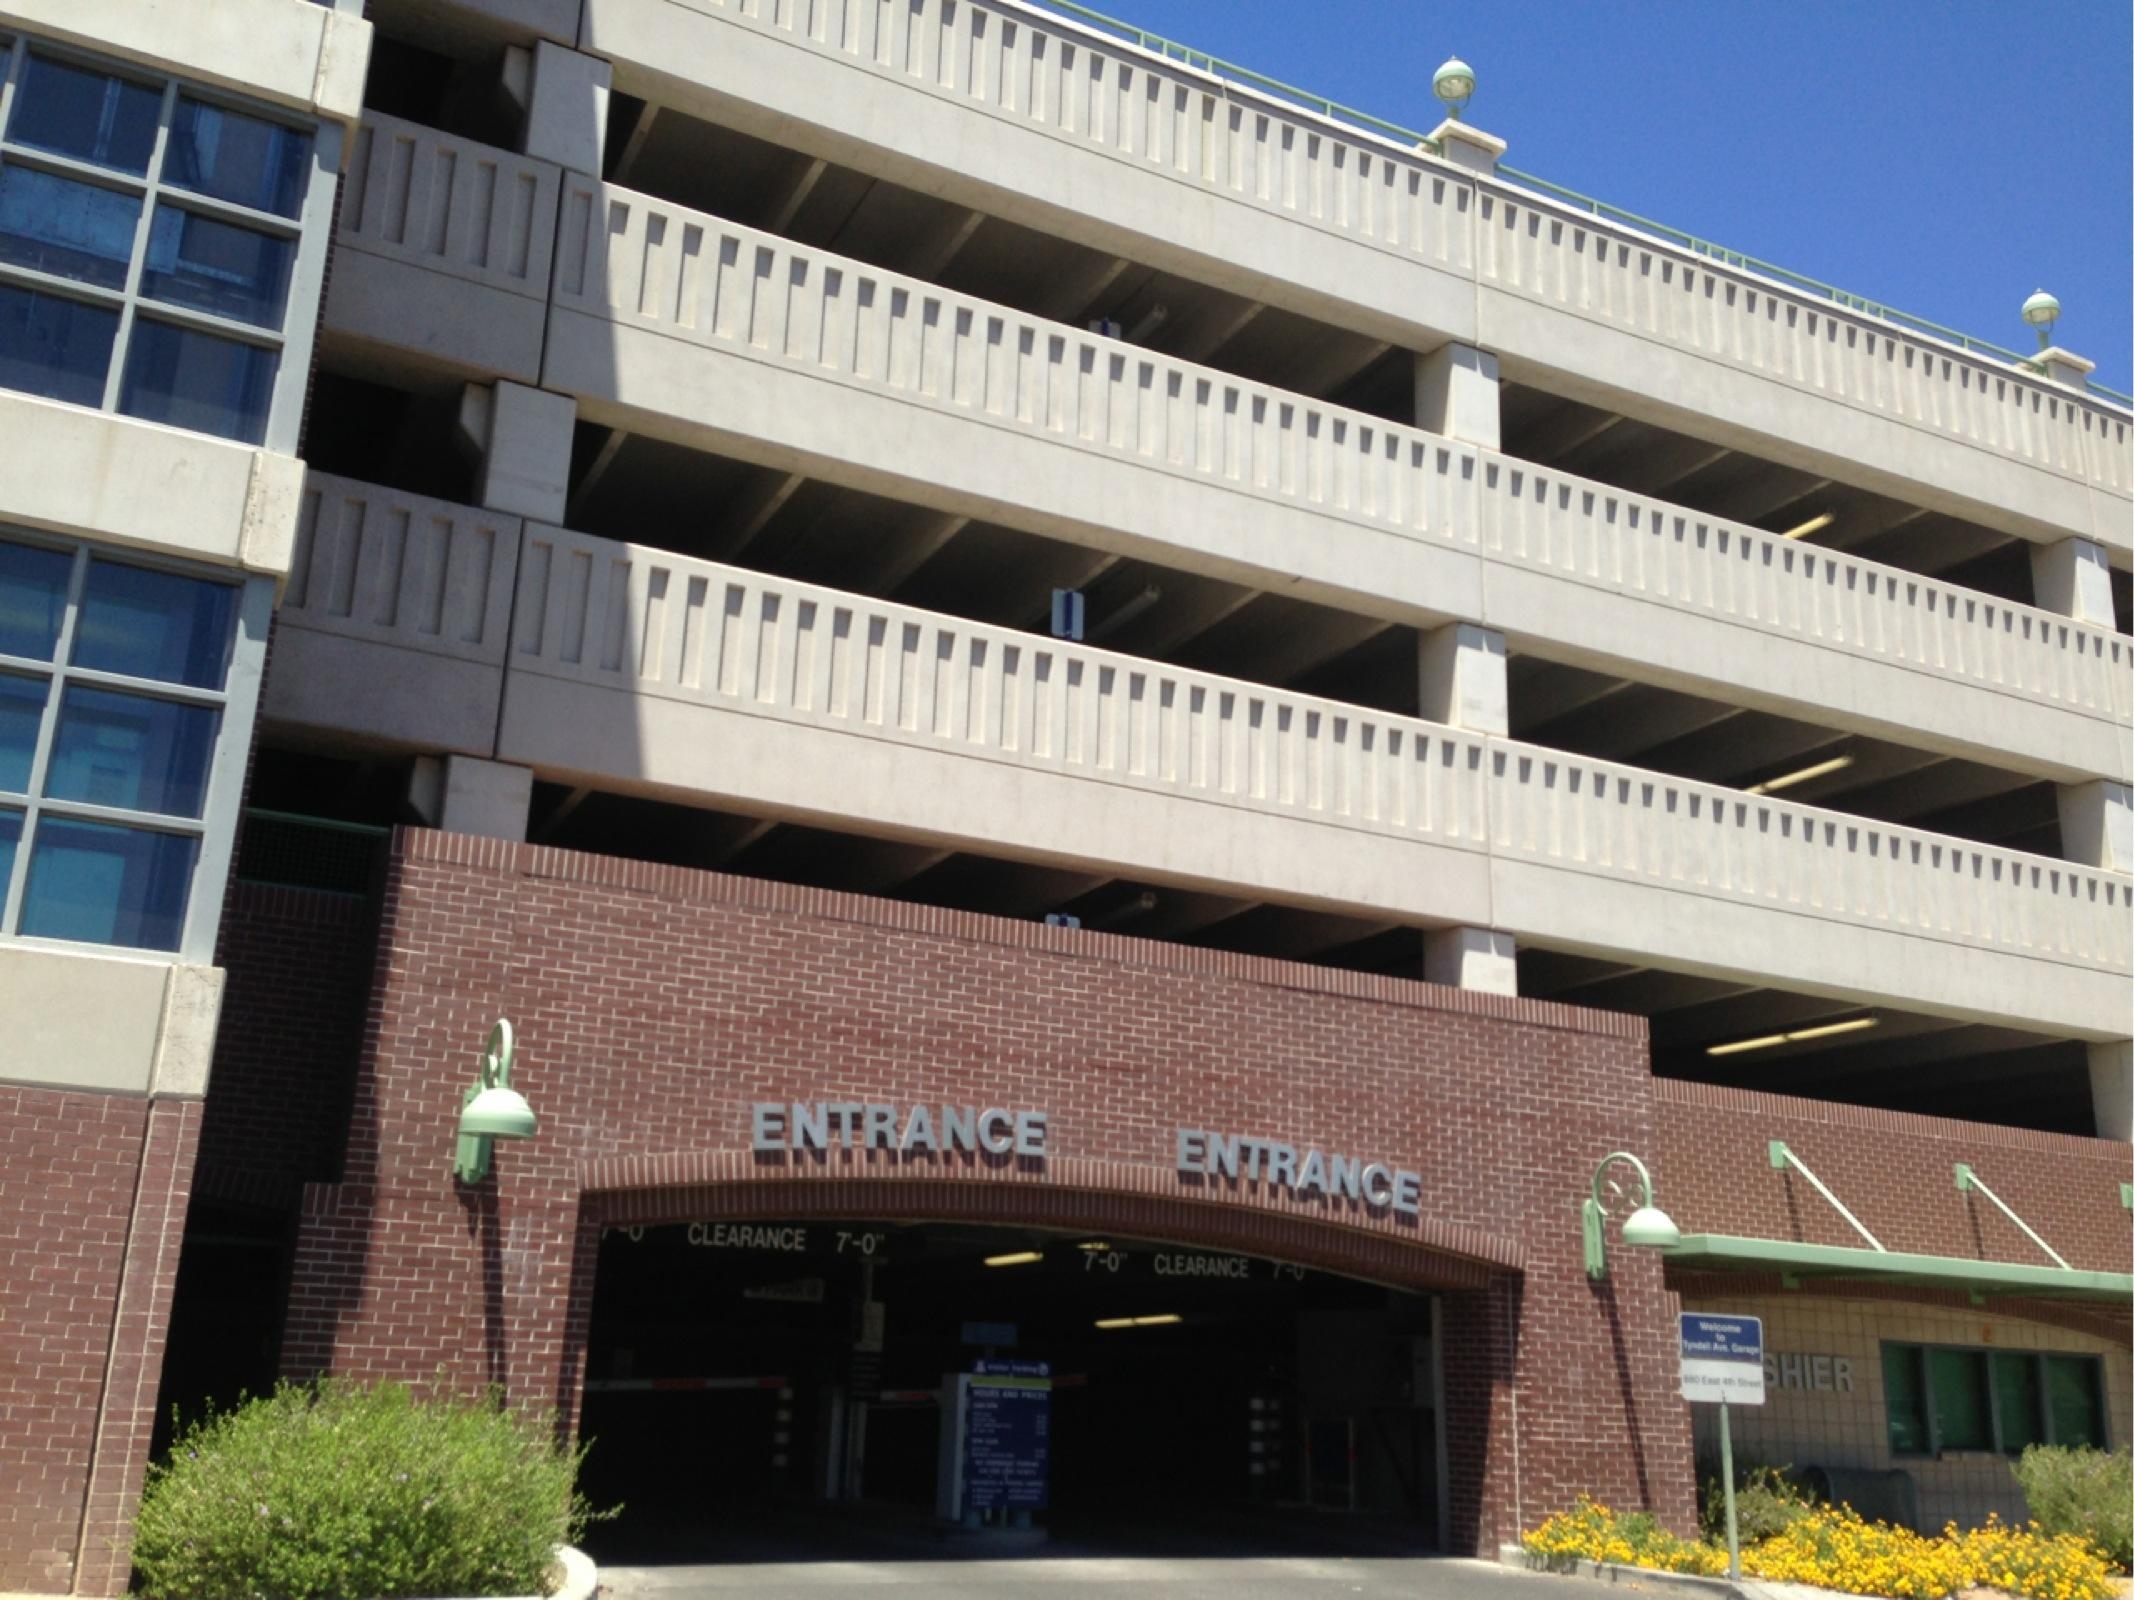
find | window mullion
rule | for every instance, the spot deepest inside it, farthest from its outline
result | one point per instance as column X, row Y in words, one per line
column 10, row 70
column 123, row 338
column 47, row 728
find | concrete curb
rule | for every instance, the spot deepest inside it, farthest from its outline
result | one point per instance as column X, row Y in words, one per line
column 1512, row 1555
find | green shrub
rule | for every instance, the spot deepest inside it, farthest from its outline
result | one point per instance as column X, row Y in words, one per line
column 1766, row 1504
column 343, row 1492
column 2085, row 1492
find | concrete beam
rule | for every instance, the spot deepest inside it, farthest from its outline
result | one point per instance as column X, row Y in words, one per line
column 1471, row 958
column 465, row 794
column 567, row 117
column 1458, row 394
column 2112, row 1088
column 1460, row 678
column 2074, row 579
column 2097, row 824
column 522, row 437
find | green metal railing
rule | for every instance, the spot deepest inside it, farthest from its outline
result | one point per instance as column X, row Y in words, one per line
column 299, row 852
column 1172, row 50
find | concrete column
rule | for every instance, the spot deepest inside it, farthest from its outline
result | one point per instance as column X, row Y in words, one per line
column 1460, row 672
column 1471, row 958
column 2065, row 367
column 1465, row 145
column 2112, row 1088
column 567, row 108
column 2097, row 824
column 522, row 437
column 1456, row 394
column 465, row 794
column 2074, row 579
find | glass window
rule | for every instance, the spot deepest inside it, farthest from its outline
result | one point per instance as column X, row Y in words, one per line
column 2015, row 1397
column 1904, row 1392
column 131, row 752
column 196, row 380
column 2076, row 1398
column 1963, row 1418
column 33, row 599
column 10, row 836
column 21, row 712
column 90, row 115
column 212, row 266
column 159, row 625
column 231, row 156
column 65, row 227
column 107, row 885
column 57, row 348
column 194, row 207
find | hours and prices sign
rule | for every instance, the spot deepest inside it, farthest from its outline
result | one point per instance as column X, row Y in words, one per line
column 1722, row 1358
column 996, row 1439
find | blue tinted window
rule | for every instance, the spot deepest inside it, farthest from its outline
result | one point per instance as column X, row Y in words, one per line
column 89, row 115
column 198, row 381
column 10, row 836
column 154, row 625
column 21, row 709
column 33, row 599
column 131, row 752
column 69, row 229
column 211, row 266
column 107, row 885
column 235, row 157
column 55, row 347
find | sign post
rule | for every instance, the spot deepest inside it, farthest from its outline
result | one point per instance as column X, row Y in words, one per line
column 1723, row 1361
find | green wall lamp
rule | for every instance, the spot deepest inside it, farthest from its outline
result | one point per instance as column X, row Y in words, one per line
column 1453, row 83
column 491, row 1110
column 2041, row 311
column 1648, row 1227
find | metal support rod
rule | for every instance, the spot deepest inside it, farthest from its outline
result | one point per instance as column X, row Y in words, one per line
column 1967, row 1180
column 1782, row 1158
column 1726, row 1473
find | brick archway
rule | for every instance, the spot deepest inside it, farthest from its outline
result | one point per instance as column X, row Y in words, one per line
column 1376, row 1253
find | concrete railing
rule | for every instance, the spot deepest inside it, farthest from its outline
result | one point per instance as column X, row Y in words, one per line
column 637, row 261
column 646, row 623
column 453, row 205
column 402, row 569
column 1044, row 73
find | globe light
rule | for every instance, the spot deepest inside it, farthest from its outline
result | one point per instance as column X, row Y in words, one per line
column 1453, row 83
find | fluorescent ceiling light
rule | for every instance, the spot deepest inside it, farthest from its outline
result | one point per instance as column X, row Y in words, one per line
column 1765, row 1041
column 1828, row 1028
column 1760, row 1042
column 1115, row 1322
column 1820, row 769
column 1021, row 1258
column 1161, row 1320
column 1812, row 525
column 1095, row 1244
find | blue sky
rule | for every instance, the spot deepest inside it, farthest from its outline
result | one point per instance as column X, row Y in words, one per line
column 1942, row 156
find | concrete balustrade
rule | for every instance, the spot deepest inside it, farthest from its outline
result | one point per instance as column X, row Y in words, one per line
column 394, row 620
column 675, row 323
column 443, row 248
column 635, row 670
column 1062, row 128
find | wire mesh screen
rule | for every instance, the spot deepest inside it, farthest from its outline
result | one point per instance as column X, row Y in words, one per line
column 308, row 852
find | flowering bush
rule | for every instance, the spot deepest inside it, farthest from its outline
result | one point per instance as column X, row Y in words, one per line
column 1589, row 1531
column 339, row 1490
column 1833, row 1547
column 2089, row 1493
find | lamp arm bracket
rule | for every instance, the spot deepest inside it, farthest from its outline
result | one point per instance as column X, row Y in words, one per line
column 1782, row 1157
column 1967, row 1181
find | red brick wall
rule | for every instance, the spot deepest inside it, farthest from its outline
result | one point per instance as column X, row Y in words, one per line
column 655, row 1004
column 1894, row 1170
column 93, row 1192
column 298, row 965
